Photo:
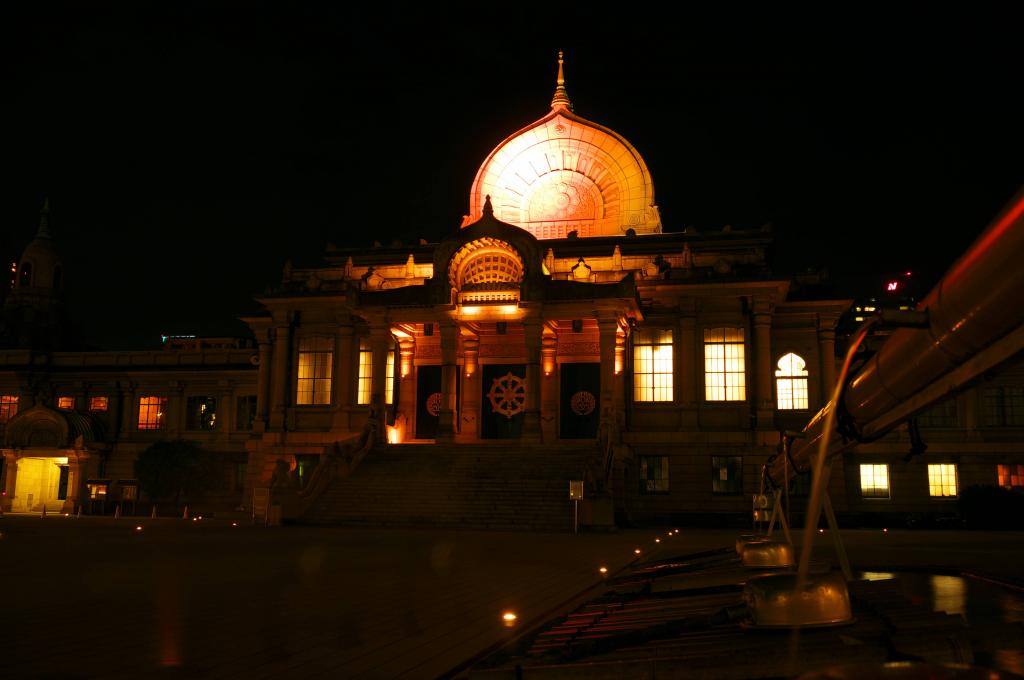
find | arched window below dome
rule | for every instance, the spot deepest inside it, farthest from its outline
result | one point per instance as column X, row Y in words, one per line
column 791, row 383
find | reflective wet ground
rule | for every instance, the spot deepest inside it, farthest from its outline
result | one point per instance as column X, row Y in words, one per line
column 986, row 606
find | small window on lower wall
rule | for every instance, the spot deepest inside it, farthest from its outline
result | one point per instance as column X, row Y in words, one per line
column 1010, row 476
column 727, row 474
column 942, row 480
column 654, row 474
column 874, row 481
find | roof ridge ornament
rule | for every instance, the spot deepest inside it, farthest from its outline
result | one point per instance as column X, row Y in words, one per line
column 488, row 208
column 44, row 220
column 561, row 98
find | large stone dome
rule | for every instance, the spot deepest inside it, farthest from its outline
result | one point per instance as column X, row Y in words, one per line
column 564, row 173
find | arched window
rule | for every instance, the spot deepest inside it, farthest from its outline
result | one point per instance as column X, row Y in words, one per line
column 26, row 274
column 791, row 383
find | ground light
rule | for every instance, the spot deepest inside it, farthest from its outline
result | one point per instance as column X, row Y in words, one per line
column 657, row 540
column 603, row 570
column 509, row 619
column 138, row 528
column 637, row 551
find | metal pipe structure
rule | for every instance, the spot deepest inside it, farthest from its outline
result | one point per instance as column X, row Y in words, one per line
column 975, row 322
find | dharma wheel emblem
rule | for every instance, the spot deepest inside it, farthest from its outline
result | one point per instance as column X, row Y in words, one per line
column 434, row 404
column 582, row 403
column 508, row 395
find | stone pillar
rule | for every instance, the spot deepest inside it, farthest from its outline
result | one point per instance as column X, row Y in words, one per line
column 129, row 406
column 688, row 362
column 74, row 485
column 763, row 364
column 279, row 381
column 827, row 353
column 10, row 481
column 447, row 423
column 406, row 372
column 344, row 381
column 607, row 329
column 533, row 332
column 549, row 396
column 619, row 384
column 263, row 383
column 469, row 423
column 380, row 336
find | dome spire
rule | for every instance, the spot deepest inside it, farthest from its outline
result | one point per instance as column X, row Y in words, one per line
column 44, row 220
column 561, row 98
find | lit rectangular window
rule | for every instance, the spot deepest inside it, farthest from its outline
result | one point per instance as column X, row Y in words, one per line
column 201, row 413
column 245, row 412
column 942, row 480
column 365, row 390
column 654, row 474
column 1011, row 476
column 724, row 365
column 66, row 403
column 99, row 403
column 316, row 364
column 874, row 481
column 1003, row 406
column 727, row 474
column 652, row 365
column 389, row 378
column 8, row 407
column 151, row 412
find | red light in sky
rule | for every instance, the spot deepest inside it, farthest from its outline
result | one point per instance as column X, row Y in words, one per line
column 892, row 285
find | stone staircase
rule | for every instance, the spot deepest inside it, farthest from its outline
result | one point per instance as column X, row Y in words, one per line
column 480, row 486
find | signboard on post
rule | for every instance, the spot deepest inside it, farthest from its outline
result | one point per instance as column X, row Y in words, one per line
column 261, row 504
column 575, row 495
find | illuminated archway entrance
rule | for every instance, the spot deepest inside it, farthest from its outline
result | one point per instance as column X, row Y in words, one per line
column 41, row 481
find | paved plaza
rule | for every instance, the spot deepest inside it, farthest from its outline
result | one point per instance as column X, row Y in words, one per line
column 98, row 598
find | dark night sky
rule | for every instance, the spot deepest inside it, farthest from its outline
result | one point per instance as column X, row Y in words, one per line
column 188, row 151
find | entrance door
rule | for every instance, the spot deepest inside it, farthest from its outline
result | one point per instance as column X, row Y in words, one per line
column 504, row 400
column 38, row 484
column 428, row 401
column 581, row 395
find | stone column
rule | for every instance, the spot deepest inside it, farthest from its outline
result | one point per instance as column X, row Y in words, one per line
column 129, row 406
column 380, row 335
column 10, row 481
column 533, row 332
column 279, row 383
column 344, row 381
column 469, row 424
column 549, row 397
column 263, row 383
column 687, row 360
column 74, row 485
column 406, row 372
column 763, row 364
column 619, row 381
column 827, row 352
column 447, row 422
column 607, row 329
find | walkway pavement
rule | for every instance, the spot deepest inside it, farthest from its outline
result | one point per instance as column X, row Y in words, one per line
column 97, row 598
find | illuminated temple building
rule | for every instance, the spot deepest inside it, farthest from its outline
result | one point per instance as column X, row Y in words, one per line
column 560, row 334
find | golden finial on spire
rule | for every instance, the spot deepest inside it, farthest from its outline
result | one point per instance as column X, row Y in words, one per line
column 561, row 98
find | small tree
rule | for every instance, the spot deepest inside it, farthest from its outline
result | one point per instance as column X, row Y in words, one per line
column 169, row 469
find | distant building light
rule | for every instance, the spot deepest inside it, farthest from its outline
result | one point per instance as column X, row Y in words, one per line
column 858, row 318
column 892, row 285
